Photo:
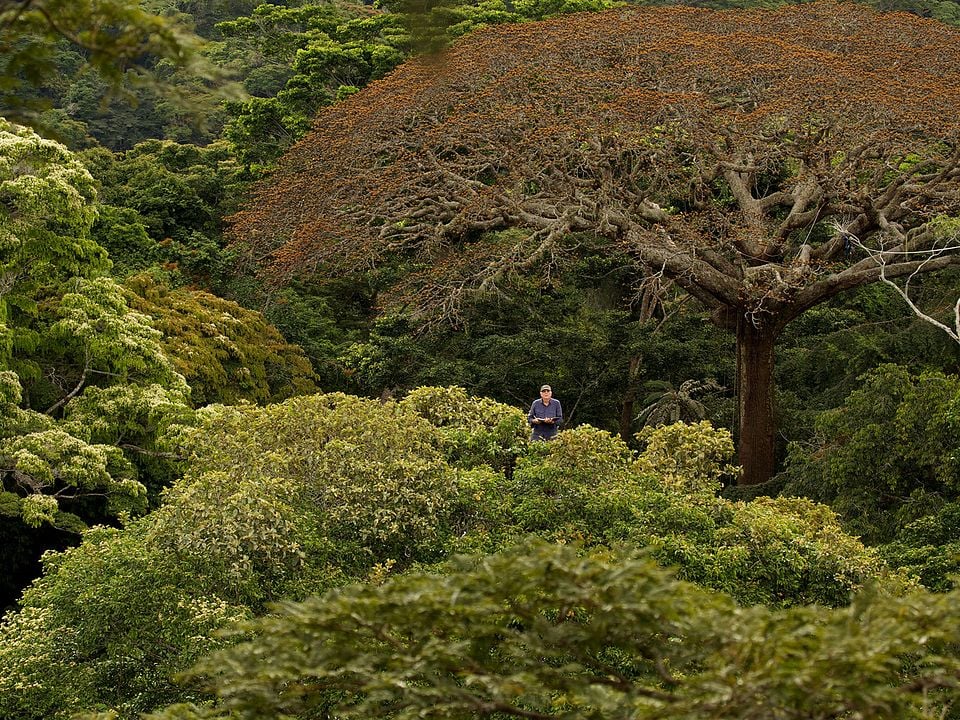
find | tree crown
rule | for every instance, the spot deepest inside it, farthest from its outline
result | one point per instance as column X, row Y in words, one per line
column 716, row 145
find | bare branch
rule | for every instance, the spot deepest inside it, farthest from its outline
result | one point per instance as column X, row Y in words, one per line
column 881, row 257
column 72, row 394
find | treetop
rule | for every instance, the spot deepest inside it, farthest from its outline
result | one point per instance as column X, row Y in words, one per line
column 660, row 129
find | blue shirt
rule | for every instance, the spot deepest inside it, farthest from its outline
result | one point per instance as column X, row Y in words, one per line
column 538, row 410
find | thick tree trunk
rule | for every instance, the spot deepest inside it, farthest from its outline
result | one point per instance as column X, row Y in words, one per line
column 629, row 399
column 755, row 402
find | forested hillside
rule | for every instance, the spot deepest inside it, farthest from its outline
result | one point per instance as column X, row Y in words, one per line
column 279, row 282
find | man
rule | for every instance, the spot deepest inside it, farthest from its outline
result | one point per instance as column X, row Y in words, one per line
column 545, row 416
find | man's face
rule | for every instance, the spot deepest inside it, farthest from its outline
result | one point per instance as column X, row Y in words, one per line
column 545, row 395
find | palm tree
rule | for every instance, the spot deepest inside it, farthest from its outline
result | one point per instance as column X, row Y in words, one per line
column 665, row 405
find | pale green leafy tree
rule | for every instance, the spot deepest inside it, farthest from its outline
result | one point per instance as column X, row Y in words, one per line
column 123, row 415
column 332, row 478
column 474, row 430
column 84, row 456
column 693, row 457
column 14, row 419
column 47, row 207
column 109, row 338
column 117, row 641
column 51, row 466
column 66, row 329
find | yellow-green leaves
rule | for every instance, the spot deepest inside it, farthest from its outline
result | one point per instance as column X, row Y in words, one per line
column 111, row 337
column 39, row 509
column 472, row 430
column 47, row 207
column 112, row 621
column 226, row 352
column 66, row 330
column 56, row 464
column 692, row 458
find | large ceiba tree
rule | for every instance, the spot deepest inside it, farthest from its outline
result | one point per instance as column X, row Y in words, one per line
column 744, row 154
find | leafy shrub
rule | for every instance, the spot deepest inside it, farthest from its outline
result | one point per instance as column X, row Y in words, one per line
column 888, row 456
column 693, row 458
column 356, row 481
column 289, row 500
column 929, row 548
column 540, row 632
column 586, row 485
column 473, row 431
column 110, row 622
column 577, row 486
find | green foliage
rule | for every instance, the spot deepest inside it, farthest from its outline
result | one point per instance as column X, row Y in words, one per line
column 225, row 352
column 289, row 500
column 43, row 38
column 114, row 642
column 180, row 194
column 173, row 101
column 363, row 482
column 107, row 374
column 35, row 510
column 541, row 633
column 68, row 329
column 122, row 233
column 928, row 548
column 15, row 420
column 203, row 14
column 109, row 71
column 781, row 552
column 473, row 431
column 825, row 351
column 132, row 417
column 577, row 486
column 240, row 529
column 46, row 211
column 314, row 50
column 690, row 458
column 886, row 457
column 252, row 521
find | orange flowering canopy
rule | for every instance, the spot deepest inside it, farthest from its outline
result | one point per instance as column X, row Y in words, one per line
column 737, row 151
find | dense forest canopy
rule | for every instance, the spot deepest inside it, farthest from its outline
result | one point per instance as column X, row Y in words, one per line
column 291, row 500
column 50, row 47
column 290, row 473
column 736, row 153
